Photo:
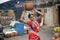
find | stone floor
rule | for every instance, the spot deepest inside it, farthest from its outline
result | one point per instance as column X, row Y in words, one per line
column 45, row 35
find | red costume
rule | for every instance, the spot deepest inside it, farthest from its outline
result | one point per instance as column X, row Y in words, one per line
column 34, row 34
column 34, row 25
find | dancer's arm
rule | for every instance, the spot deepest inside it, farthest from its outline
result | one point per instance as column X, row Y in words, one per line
column 38, row 11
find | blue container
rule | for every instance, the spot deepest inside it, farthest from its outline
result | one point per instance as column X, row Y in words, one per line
column 19, row 28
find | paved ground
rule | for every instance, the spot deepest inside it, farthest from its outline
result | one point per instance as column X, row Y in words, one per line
column 45, row 35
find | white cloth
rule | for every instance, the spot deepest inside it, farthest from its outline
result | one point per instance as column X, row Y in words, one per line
column 26, row 27
column 13, row 23
column 8, row 31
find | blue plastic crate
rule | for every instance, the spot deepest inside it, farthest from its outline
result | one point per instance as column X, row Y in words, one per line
column 19, row 28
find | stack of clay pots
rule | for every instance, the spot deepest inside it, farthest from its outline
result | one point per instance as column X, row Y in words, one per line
column 12, row 34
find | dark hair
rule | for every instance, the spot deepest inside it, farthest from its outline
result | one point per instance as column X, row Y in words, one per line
column 0, row 11
column 30, row 15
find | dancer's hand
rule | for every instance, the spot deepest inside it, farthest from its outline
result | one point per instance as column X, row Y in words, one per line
column 38, row 11
column 35, row 9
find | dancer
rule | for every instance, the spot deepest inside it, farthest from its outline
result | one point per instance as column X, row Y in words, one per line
column 33, row 35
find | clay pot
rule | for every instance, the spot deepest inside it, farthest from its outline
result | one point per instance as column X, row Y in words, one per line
column 15, row 34
column 12, row 34
column 8, row 35
column 29, row 5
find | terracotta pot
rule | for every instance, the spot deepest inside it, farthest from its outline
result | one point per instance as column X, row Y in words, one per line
column 8, row 35
column 15, row 34
column 12, row 34
column 29, row 5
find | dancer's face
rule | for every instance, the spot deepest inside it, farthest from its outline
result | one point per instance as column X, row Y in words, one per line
column 32, row 18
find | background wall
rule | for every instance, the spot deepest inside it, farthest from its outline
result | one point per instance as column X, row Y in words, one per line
column 55, row 15
column 49, row 17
